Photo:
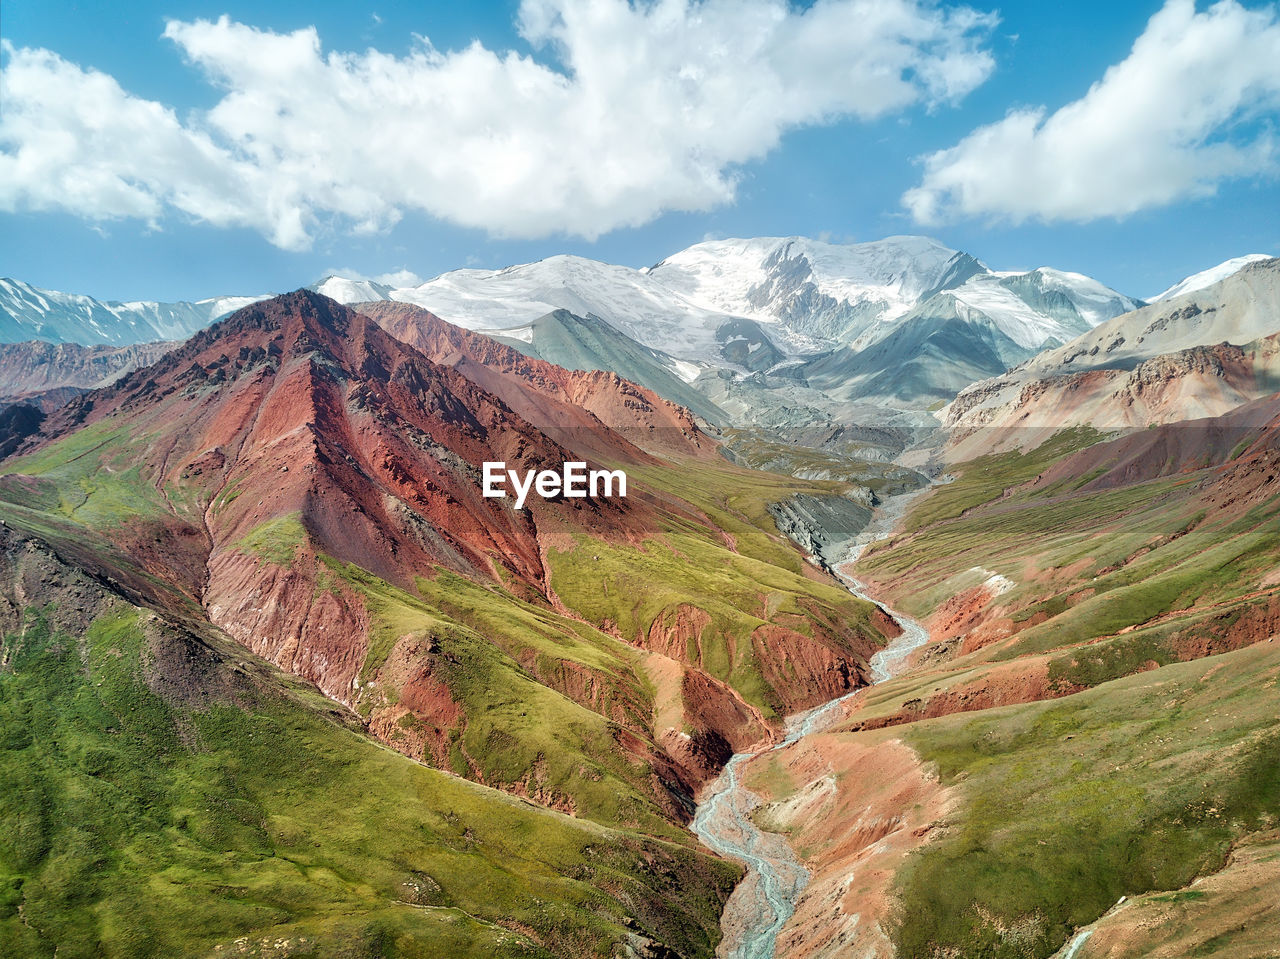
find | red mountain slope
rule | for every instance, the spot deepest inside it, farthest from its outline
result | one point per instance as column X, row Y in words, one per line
column 314, row 485
column 568, row 404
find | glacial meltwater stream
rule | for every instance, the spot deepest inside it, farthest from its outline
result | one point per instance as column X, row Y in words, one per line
column 763, row 902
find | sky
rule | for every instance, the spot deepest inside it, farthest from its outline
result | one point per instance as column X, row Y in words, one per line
column 181, row 150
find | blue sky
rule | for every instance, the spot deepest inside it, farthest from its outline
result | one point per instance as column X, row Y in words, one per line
column 989, row 138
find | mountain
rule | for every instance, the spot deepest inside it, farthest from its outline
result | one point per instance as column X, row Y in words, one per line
column 527, row 383
column 346, row 290
column 933, row 353
column 589, row 343
column 29, row 313
column 1085, row 748
column 1198, row 281
column 291, row 502
column 803, row 296
column 1044, row 306
column 1197, row 354
column 765, row 306
column 50, row 373
column 818, row 290
column 626, row 298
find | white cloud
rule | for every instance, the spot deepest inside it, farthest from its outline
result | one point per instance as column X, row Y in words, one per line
column 399, row 278
column 1173, row 120
column 396, row 278
column 625, row 110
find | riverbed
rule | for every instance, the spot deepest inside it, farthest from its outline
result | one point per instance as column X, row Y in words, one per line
column 765, row 899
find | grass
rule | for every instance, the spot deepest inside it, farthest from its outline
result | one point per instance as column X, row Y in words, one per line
column 138, row 826
column 632, row 588
column 90, row 477
column 986, row 478
column 1065, row 806
column 1088, row 564
column 1141, row 782
column 276, row 540
column 515, row 732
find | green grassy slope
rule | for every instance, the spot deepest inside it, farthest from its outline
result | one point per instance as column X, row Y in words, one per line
column 1065, row 806
column 236, row 810
column 739, row 571
column 1141, row 594
column 1104, row 581
column 514, row 731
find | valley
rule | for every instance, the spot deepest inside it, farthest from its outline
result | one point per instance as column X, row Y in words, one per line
column 933, row 616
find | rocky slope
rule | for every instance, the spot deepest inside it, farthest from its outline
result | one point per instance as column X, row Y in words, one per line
column 589, row 343
column 564, row 391
column 1198, row 354
column 51, row 373
column 312, row 484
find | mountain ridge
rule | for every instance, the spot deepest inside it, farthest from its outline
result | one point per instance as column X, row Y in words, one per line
column 1136, row 369
column 27, row 313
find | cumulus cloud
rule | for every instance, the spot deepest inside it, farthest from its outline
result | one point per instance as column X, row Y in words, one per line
column 624, row 110
column 396, row 278
column 1177, row 117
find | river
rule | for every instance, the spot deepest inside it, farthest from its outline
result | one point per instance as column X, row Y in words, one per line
column 765, row 899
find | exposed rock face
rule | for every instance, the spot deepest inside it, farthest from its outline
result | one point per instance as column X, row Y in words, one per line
column 55, row 372
column 744, row 343
column 1203, row 381
column 18, row 422
column 823, row 526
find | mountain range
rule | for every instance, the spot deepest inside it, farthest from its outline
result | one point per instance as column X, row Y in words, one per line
column 1199, row 353
column 796, row 313
column 29, row 313
column 768, row 331
column 808, row 295
column 278, row 678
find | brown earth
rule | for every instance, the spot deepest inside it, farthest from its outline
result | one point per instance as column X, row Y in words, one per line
column 1196, row 383
column 853, row 808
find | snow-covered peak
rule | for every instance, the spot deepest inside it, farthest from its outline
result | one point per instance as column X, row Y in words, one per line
column 346, row 290
column 1027, row 326
column 1198, row 281
column 30, row 313
column 755, row 277
column 630, row 300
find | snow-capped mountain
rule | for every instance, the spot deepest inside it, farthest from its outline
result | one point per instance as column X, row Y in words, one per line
column 1045, row 305
column 803, row 296
column 1198, row 281
column 794, row 312
column 30, row 313
column 626, row 298
column 346, row 290
column 820, row 290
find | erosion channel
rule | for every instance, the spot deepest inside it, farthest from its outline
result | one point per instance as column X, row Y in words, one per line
column 765, row 899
